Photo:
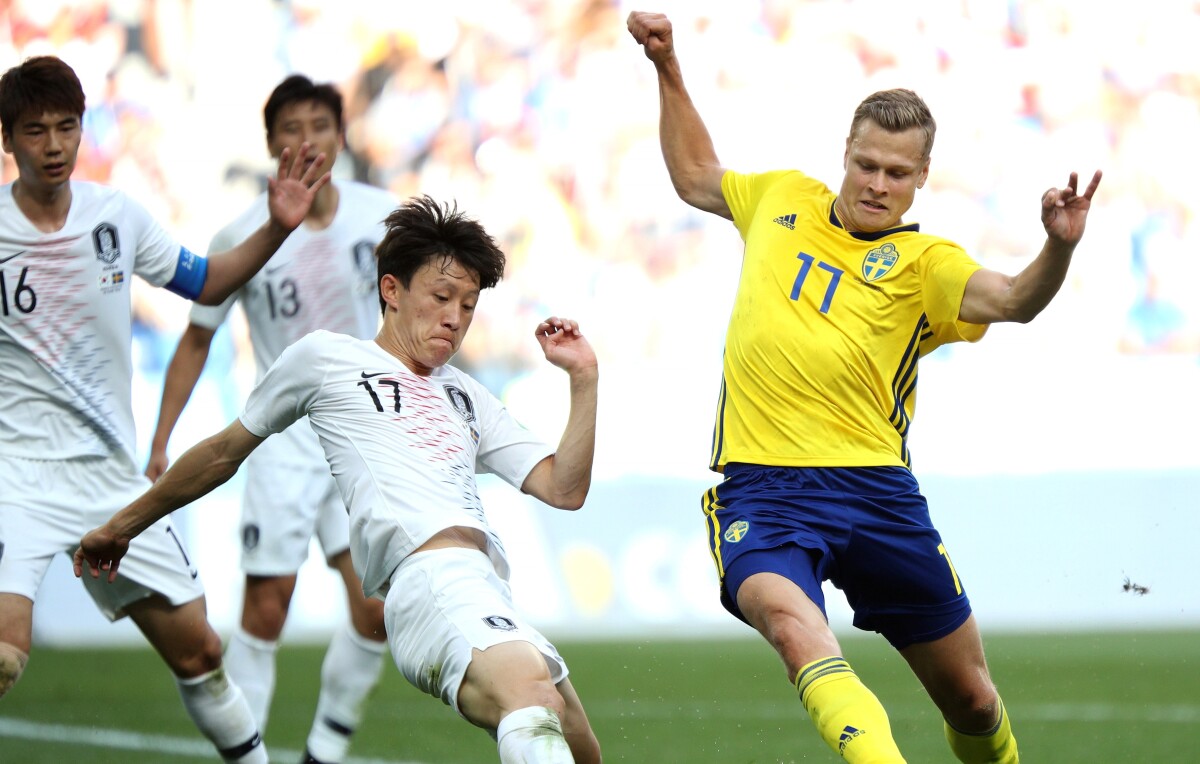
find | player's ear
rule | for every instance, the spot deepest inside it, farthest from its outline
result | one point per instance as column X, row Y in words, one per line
column 923, row 175
column 389, row 288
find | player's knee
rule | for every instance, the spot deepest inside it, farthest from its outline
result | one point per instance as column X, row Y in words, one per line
column 796, row 645
column 264, row 617
column 265, row 604
column 368, row 619
column 554, row 702
column 204, row 657
column 975, row 709
column 12, row 664
column 488, row 704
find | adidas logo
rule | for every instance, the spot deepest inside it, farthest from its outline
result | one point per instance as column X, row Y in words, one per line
column 848, row 734
column 787, row 221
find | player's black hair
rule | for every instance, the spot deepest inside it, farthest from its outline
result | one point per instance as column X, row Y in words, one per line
column 420, row 231
column 298, row 88
column 38, row 85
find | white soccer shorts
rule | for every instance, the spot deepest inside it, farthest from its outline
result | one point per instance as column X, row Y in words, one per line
column 283, row 507
column 444, row 603
column 47, row 506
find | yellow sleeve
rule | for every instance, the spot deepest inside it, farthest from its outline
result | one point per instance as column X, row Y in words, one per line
column 944, row 273
column 743, row 191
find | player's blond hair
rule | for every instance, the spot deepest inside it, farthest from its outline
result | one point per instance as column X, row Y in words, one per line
column 896, row 111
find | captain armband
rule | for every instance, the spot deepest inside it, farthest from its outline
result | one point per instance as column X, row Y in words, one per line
column 190, row 274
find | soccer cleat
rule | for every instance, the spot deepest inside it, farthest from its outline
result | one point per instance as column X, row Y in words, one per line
column 310, row 759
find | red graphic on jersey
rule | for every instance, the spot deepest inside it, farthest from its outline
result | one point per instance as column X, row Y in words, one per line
column 60, row 322
column 313, row 289
column 431, row 421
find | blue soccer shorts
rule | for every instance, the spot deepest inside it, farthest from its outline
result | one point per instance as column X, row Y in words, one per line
column 865, row 529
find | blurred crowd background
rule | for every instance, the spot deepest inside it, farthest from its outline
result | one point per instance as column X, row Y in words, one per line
column 540, row 118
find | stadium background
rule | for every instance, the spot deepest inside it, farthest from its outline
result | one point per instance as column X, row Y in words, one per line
column 1059, row 458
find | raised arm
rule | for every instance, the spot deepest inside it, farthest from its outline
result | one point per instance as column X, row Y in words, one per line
column 992, row 297
column 686, row 145
column 202, row 468
column 182, row 373
column 290, row 195
column 563, row 479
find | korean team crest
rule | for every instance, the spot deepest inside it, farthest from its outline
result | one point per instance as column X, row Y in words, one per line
column 879, row 262
column 737, row 531
column 461, row 403
column 500, row 623
column 106, row 243
column 250, row 536
column 364, row 259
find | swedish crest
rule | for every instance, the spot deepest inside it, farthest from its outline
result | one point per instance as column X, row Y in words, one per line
column 737, row 531
column 879, row 262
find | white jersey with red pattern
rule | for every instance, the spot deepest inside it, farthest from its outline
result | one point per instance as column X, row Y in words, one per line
column 318, row 279
column 403, row 448
column 66, row 322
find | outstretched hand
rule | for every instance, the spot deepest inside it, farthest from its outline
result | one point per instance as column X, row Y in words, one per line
column 102, row 551
column 653, row 32
column 564, row 345
column 1065, row 210
column 291, row 192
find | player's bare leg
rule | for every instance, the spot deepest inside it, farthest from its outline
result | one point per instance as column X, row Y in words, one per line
column 366, row 613
column 192, row 650
column 507, row 689
column 349, row 672
column 16, row 634
column 954, row 672
column 848, row 716
column 576, row 727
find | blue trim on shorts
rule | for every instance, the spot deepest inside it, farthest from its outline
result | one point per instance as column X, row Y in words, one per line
column 191, row 271
column 865, row 529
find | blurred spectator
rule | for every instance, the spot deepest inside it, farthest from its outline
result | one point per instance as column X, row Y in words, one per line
column 535, row 115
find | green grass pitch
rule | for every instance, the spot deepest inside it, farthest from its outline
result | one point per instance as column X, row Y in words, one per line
column 1104, row 697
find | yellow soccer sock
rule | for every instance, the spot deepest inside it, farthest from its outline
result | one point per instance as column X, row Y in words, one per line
column 998, row 746
column 848, row 716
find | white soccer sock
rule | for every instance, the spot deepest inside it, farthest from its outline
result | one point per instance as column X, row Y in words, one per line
column 220, row 712
column 532, row 735
column 350, row 671
column 250, row 662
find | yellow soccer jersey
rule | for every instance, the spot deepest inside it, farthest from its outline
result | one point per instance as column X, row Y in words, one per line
column 820, row 365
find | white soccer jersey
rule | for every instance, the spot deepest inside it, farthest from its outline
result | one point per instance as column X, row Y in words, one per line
column 403, row 448
column 65, row 322
column 322, row 279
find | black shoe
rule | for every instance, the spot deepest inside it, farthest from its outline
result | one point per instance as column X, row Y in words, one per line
column 310, row 759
